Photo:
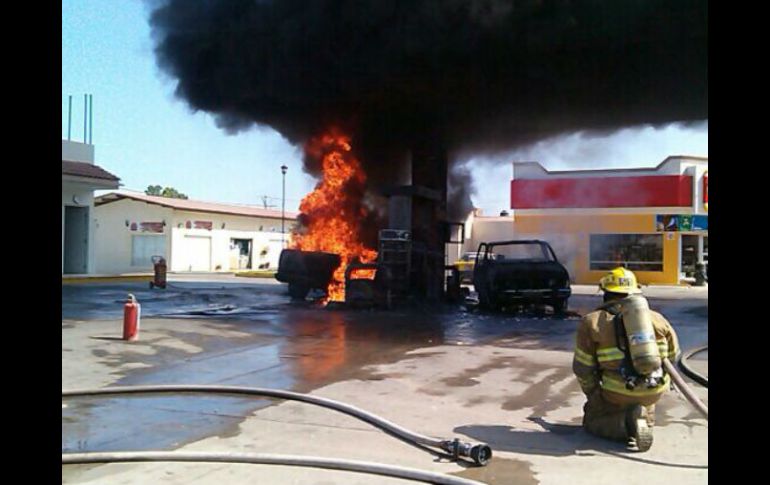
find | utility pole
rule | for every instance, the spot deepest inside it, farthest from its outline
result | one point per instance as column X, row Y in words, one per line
column 69, row 120
column 283, row 206
column 85, row 118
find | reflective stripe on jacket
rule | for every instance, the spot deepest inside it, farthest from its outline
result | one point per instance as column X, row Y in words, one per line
column 609, row 354
column 597, row 358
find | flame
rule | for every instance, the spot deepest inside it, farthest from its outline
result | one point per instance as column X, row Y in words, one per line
column 363, row 274
column 334, row 210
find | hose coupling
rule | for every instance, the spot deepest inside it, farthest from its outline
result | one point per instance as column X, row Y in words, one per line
column 479, row 453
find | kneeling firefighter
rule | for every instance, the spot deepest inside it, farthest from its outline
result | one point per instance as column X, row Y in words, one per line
column 618, row 361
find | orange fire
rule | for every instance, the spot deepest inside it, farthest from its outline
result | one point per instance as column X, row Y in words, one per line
column 334, row 210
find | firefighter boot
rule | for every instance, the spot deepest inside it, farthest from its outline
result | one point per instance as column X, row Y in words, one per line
column 639, row 431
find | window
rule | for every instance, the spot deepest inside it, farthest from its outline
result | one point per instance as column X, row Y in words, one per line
column 143, row 248
column 637, row 252
column 520, row 252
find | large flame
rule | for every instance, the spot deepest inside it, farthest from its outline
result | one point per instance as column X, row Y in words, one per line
column 334, row 210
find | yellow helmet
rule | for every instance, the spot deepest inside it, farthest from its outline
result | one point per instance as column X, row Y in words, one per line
column 620, row 280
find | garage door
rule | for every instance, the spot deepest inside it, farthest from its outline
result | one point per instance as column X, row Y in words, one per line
column 197, row 253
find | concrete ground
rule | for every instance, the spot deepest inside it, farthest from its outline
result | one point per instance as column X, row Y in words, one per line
column 502, row 379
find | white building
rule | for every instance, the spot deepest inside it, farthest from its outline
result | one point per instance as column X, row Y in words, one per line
column 79, row 178
column 191, row 235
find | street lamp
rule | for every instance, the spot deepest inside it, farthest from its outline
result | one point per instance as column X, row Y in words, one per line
column 283, row 205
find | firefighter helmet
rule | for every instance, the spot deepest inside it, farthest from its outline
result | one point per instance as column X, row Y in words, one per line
column 620, row 280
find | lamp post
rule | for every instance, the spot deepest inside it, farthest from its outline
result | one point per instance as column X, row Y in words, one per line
column 283, row 205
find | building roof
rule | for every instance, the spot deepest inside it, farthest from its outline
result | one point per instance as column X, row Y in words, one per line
column 84, row 169
column 671, row 165
column 194, row 205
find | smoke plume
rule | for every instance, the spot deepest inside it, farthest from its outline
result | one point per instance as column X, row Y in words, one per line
column 472, row 76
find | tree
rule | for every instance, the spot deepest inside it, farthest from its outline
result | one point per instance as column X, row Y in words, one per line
column 164, row 192
column 153, row 190
column 172, row 193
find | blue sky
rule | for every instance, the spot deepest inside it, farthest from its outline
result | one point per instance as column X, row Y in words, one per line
column 146, row 136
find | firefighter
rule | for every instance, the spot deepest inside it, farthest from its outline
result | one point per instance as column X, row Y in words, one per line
column 621, row 401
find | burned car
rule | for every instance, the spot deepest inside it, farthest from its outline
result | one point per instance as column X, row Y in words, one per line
column 306, row 270
column 519, row 273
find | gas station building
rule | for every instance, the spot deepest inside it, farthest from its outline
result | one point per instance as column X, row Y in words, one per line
column 653, row 221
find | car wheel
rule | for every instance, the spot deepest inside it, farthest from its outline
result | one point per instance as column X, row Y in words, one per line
column 560, row 306
column 298, row 292
column 484, row 301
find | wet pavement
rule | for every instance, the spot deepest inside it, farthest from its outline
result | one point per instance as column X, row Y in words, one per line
column 290, row 346
column 231, row 333
column 91, row 301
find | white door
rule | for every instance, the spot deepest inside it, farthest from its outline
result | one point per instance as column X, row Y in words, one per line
column 197, row 253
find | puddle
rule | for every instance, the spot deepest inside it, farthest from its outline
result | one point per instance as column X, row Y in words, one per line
column 502, row 472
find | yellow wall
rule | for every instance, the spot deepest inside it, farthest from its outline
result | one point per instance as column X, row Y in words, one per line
column 569, row 234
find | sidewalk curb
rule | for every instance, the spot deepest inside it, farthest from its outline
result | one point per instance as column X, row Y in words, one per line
column 96, row 279
column 256, row 274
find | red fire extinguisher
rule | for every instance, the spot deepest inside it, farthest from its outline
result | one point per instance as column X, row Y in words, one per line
column 132, row 313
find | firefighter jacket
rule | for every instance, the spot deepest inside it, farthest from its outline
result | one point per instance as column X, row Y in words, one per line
column 598, row 359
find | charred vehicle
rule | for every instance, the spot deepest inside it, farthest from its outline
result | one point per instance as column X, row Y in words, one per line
column 519, row 273
column 306, row 270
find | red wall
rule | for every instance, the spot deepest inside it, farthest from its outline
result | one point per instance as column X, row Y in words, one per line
column 598, row 192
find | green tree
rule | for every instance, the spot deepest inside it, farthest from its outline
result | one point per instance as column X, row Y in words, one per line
column 153, row 190
column 172, row 193
column 164, row 192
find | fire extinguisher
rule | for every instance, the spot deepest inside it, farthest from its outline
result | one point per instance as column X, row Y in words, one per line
column 132, row 313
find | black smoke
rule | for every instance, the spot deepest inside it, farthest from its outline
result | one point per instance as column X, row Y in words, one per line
column 472, row 76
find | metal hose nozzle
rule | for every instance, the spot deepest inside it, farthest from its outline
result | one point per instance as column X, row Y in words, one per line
column 479, row 453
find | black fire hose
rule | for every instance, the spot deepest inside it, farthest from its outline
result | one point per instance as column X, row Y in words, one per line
column 265, row 459
column 480, row 453
column 682, row 386
column 688, row 371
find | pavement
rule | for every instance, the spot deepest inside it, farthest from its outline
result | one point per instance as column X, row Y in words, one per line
column 148, row 276
column 504, row 379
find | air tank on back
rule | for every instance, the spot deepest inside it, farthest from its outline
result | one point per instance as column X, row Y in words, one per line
column 641, row 334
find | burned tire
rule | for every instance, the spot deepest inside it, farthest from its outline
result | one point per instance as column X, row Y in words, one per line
column 298, row 292
column 559, row 306
column 484, row 301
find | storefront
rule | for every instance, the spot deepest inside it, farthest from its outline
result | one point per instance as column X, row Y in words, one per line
column 651, row 221
column 193, row 236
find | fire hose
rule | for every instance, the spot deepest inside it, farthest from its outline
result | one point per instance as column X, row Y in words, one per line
column 688, row 371
column 682, row 386
column 265, row 459
column 480, row 453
